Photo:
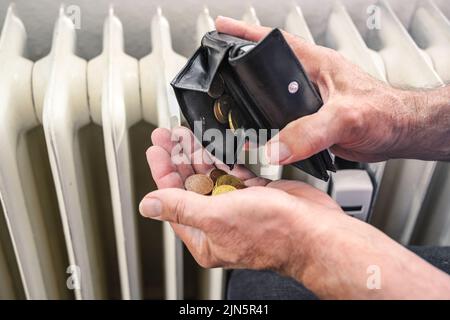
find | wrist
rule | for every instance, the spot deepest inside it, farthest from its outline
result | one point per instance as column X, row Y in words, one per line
column 311, row 242
column 344, row 253
column 424, row 124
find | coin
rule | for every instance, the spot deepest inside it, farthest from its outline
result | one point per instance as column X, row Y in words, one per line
column 216, row 173
column 230, row 180
column 218, row 114
column 217, row 87
column 235, row 120
column 199, row 183
column 222, row 189
column 221, row 108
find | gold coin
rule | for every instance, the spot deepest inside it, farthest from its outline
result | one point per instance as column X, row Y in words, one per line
column 221, row 108
column 222, row 189
column 218, row 114
column 235, row 120
column 199, row 183
column 215, row 174
column 217, row 87
column 230, row 180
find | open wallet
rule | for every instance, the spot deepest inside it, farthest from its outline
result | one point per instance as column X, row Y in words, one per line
column 231, row 83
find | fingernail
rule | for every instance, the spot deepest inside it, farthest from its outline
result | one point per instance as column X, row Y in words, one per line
column 277, row 152
column 150, row 207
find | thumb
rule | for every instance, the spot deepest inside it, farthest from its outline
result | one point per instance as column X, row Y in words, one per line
column 303, row 138
column 176, row 205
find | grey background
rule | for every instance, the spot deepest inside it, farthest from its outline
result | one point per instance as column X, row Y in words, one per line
column 39, row 17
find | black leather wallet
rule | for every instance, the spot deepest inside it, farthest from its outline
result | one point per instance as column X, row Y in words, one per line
column 263, row 84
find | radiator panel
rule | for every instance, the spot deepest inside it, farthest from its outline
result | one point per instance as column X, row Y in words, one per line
column 26, row 188
column 430, row 29
column 76, row 163
column 160, row 109
column 113, row 79
column 408, row 180
column 11, row 287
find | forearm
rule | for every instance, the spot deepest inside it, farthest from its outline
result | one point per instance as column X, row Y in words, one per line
column 427, row 135
column 353, row 260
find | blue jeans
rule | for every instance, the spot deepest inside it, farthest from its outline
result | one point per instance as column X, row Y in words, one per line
column 268, row 285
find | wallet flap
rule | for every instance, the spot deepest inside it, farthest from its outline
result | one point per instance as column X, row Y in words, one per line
column 276, row 81
column 202, row 67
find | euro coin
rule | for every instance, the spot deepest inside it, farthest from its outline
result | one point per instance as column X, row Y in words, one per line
column 235, row 120
column 199, row 183
column 230, row 180
column 222, row 189
column 215, row 174
column 217, row 87
column 218, row 114
column 221, row 108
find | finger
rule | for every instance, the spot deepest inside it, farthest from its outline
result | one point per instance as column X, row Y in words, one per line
column 194, row 153
column 206, row 213
column 164, row 172
column 304, row 137
column 162, row 137
column 240, row 29
column 200, row 160
column 256, row 181
column 238, row 170
column 178, row 206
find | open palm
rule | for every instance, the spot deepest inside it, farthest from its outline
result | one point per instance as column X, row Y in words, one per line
column 169, row 175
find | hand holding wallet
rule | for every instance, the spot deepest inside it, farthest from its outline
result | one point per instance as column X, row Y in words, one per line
column 231, row 83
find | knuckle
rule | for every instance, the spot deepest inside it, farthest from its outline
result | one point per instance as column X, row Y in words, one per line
column 311, row 137
column 334, row 57
column 179, row 211
column 333, row 62
column 352, row 117
column 206, row 261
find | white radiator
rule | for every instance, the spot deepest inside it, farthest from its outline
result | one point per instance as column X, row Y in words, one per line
column 73, row 135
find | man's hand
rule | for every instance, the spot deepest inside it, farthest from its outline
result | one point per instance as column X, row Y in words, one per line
column 253, row 228
column 287, row 226
column 362, row 119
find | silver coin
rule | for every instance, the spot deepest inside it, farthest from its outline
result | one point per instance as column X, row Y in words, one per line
column 217, row 87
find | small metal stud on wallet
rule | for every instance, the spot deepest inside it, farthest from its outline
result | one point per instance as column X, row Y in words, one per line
column 230, row 84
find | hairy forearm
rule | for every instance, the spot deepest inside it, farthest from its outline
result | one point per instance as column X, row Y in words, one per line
column 352, row 260
column 427, row 133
